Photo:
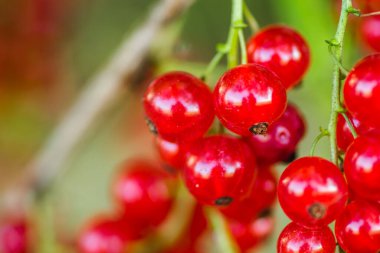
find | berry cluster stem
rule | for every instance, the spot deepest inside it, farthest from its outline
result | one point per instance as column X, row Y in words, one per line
column 337, row 43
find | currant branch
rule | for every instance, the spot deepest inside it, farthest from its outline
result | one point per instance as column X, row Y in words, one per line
column 337, row 43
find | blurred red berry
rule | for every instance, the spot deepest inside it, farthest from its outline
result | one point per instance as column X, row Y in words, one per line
column 362, row 90
column 262, row 197
column 14, row 236
column 312, row 191
column 297, row 239
column 282, row 50
column 248, row 98
column 369, row 29
column 282, row 138
column 362, row 166
column 144, row 193
column 219, row 170
column 357, row 228
column 179, row 106
column 172, row 153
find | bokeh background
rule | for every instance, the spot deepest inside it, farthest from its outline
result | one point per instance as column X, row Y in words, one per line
column 50, row 49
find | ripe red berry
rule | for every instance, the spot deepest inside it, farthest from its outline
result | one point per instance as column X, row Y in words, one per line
column 370, row 32
column 14, row 236
column 312, row 191
column 262, row 197
column 219, row 170
column 282, row 50
column 250, row 234
column 248, row 98
column 107, row 235
column 297, row 239
column 362, row 90
column 172, row 153
column 344, row 136
column 140, row 188
column 179, row 106
column 282, row 138
column 357, row 228
column 362, row 166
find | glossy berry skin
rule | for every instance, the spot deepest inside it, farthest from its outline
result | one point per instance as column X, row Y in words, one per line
column 357, row 228
column 344, row 136
column 362, row 166
column 312, row 191
column 219, row 170
column 250, row 234
column 179, row 106
column 248, row 95
column 172, row 153
column 14, row 236
column 370, row 32
column 298, row 239
column 282, row 138
column 140, row 188
column 106, row 235
column 282, row 50
column 261, row 199
column 362, row 90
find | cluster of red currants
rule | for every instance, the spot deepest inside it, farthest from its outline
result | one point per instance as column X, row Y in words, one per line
column 233, row 171
column 313, row 192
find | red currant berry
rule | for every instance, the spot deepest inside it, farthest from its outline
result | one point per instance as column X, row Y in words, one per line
column 107, row 235
column 140, row 188
column 172, row 153
column 297, row 239
column 362, row 166
column 282, row 50
column 370, row 32
column 357, row 228
column 219, row 170
column 248, row 98
column 344, row 136
column 14, row 236
column 262, row 197
column 362, row 90
column 179, row 106
column 312, row 191
column 250, row 234
column 281, row 140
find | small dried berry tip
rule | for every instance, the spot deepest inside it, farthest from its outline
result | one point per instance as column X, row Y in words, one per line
column 317, row 210
column 151, row 126
column 223, row 201
column 260, row 128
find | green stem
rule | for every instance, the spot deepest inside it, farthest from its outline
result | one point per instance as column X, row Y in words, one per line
column 255, row 27
column 335, row 96
column 225, row 241
column 370, row 14
column 243, row 47
column 323, row 133
column 350, row 125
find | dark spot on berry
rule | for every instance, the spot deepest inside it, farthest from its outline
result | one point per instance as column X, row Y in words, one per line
column 293, row 156
column 265, row 213
column 223, row 201
column 317, row 210
column 260, row 128
column 151, row 126
column 169, row 169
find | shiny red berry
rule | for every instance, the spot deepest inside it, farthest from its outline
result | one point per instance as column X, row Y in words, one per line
column 262, row 197
column 107, row 235
column 140, row 188
column 312, row 191
column 219, row 170
column 357, row 229
column 179, row 106
column 344, row 136
column 362, row 166
column 282, row 138
column 251, row 234
column 282, row 50
column 248, row 98
column 297, row 239
column 14, row 236
column 370, row 32
column 172, row 153
column 362, row 90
